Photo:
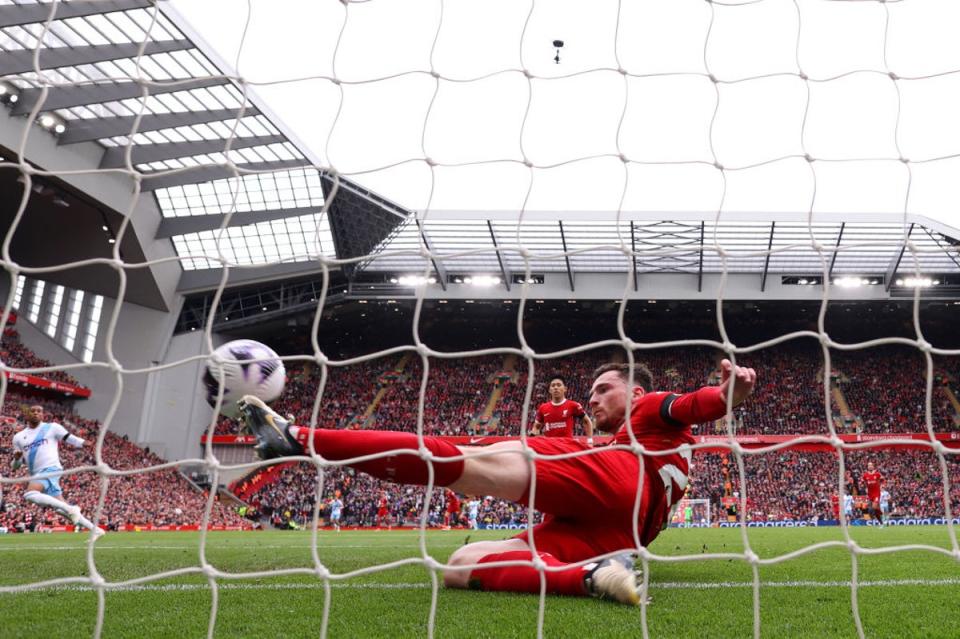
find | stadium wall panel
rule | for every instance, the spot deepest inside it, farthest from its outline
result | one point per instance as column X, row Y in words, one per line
column 175, row 414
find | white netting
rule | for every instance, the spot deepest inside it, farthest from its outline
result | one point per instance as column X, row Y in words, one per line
column 620, row 32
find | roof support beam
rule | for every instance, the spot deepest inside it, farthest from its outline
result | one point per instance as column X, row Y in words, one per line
column 211, row 172
column 503, row 268
column 113, row 158
column 437, row 266
column 97, row 129
column 895, row 262
column 16, row 15
column 65, row 97
column 833, row 259
column 633, row 247
column 206, row 279
column 171, row 226
column 17, row 62
column 700, row 268
column 766, row 261
column 563, row 239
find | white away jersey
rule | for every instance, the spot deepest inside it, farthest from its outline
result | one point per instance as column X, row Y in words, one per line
column 40, row 446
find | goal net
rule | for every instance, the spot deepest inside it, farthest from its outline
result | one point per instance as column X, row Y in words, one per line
column 781, row 124
column 692, row 513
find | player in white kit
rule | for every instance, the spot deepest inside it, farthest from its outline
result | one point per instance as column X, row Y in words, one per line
column 473, row 512
column 336, row 510
column 39, row 446
column 884, row 506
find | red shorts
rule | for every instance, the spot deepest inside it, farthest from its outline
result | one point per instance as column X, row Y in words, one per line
column 589, row 501
column 873, row 496
column 383, row 512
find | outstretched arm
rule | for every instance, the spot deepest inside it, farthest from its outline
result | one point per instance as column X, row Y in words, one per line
column 73, row 440
column 710, row 402
column 588, row 428
column 537, row 426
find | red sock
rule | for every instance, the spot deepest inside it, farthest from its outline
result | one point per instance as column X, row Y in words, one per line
column 527, row 578
column 402, row 469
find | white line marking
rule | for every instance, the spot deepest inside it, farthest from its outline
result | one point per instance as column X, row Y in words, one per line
column 686, row 585
column 669, row 585
column 101, row 546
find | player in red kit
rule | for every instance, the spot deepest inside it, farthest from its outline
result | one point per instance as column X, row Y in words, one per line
column 556, row 417
column 588, row 500
column 452, row 515
column 873, row 480
column 383, row 511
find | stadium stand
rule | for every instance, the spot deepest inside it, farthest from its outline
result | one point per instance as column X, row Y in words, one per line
column 288, row 501
column 16, row 355
column 788, row 485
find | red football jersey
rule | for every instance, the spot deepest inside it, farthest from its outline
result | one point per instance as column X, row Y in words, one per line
column 873, row 481
column 657, row 430
column 558, row 419
column 453, row 503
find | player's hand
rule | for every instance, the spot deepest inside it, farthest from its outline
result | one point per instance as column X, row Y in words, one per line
column 743, row 380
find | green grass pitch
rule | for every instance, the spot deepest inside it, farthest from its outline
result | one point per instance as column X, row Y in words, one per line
column 905, row 594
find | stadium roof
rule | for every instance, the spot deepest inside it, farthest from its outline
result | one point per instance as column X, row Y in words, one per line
column 115, row 66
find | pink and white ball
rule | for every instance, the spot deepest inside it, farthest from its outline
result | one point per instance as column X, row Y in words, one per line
column 245, row 367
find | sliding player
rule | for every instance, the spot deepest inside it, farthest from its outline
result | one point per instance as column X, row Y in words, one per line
column 556, row 417
column 589, row 499
column 39, row 443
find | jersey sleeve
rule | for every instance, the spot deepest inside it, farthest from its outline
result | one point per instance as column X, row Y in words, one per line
column 653, row 409
column 59, row 432
column 578, row 409
column 670, row 409
column 539, row 416
column 17, row 446
column 703, row 405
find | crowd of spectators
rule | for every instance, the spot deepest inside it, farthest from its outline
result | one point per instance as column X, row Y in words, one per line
column 158, row 498
column 784, row 485
column 289, row 501
column 347, row 393
column 16, row 355
column 885, row 388
column 788, row 400
column 795, row 485
column 457, row 392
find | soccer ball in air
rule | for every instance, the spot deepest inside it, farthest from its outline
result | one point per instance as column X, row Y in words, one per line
column 231, row 364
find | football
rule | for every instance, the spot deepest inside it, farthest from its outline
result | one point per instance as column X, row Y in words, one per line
column 244, row 367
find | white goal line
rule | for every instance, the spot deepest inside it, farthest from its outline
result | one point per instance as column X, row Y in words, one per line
column 667, row 585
